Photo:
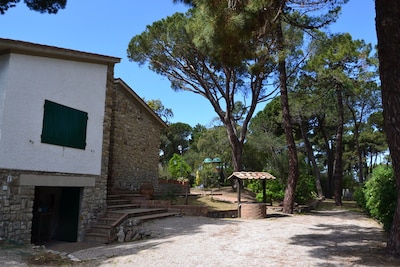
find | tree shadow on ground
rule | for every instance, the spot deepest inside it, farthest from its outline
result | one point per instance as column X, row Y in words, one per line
column 349, row 242
column 162, row 232
column 276, row 215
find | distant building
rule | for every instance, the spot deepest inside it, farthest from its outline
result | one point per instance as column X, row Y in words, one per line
column 69, row 133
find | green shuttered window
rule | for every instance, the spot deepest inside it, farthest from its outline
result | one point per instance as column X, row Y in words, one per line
column 64, row 126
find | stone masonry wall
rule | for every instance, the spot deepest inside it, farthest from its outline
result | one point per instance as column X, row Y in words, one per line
column 16, row 205
column 15, row 208
column 135, row 143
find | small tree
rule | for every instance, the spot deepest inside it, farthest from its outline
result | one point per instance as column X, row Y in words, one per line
column 209, row 175
column 178, row 168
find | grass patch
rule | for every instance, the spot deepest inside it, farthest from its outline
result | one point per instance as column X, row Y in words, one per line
column 206, row 200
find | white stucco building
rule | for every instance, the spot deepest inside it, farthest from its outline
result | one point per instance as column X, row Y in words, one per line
column 70, row 133
column 54, row 140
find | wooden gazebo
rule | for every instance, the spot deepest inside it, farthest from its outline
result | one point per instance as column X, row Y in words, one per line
column 239, row 176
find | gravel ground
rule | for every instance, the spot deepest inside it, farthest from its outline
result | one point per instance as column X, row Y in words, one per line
column 320, row 238
column 324, row 238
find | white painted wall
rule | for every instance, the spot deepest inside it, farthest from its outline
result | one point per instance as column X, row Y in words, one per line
column 3, row 85
column 25, row 83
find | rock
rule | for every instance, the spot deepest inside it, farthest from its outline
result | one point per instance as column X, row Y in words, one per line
column 121, row 234
column 128, row 236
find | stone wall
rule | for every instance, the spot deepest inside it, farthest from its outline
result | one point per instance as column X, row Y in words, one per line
column 15, row 208
column 135, row 140
column 16, row 205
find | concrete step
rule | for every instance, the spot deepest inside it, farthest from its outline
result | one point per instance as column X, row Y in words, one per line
column 98, row 238
column 122, row 207
column 104, row 234
column 117, row 201
column 137, row 211
column 155, row 216
column 101, row 229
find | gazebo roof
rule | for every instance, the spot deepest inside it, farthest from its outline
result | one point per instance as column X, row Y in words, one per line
column 252, row 175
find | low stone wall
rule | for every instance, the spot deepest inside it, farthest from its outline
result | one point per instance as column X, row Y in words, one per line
column 223, row 214
column 190, row 210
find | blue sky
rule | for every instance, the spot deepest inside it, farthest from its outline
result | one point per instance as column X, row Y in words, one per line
column 106, row 27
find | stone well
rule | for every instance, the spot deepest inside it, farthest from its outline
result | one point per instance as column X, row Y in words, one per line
column 253, row 210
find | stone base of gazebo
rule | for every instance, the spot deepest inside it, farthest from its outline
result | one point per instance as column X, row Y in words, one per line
column 253, row 210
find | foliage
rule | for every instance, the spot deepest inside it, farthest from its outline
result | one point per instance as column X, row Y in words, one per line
column 305, row 189
column 209, row 175
column 274, row 189
column 168, row 47
column 359, row 197
column 176, row 134
column 42, row 6
column 158, row 107
column 381, row 195
column 177, row 167
column 170, row 193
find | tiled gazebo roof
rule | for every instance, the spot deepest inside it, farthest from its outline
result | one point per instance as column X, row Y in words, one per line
column 252, row 175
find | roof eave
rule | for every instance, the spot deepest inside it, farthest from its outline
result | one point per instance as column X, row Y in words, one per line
column 8, row 46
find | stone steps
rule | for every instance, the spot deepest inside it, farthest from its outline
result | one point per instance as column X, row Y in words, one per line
column 120, row 208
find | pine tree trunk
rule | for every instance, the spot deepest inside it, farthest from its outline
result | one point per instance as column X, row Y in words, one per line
column 310, row 155
column 330, row 160
column 338, row 170
column 388, row 31
column 288, row 201
column 236, row 148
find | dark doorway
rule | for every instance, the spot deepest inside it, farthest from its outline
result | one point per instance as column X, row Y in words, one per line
column 55, row 214
column 69, row 214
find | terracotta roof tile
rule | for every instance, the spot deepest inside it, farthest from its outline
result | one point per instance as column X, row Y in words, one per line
column 251, row 175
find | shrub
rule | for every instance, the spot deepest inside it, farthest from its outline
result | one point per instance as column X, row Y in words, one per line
column 381, row 195
column 274, row 189
column 359, row 197
column 305, row 189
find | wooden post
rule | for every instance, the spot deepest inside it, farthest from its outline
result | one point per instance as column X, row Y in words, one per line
column 238, row 195
column 264, row 185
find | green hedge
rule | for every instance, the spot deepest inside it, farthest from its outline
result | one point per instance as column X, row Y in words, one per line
column 379, row 195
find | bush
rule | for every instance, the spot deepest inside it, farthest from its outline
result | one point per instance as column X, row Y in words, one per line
column 274, row 189
column 359, row 197
column 305, row 189
column 381, row 195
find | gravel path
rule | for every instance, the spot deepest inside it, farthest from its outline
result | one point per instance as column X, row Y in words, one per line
column 320, row 238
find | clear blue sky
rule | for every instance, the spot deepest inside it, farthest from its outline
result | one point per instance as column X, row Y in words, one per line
column 106, row 27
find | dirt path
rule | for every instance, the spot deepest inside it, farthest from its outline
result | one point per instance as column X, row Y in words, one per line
column 320, row 238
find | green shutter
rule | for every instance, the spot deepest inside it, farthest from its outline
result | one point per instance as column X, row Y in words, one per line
column 64, row 126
